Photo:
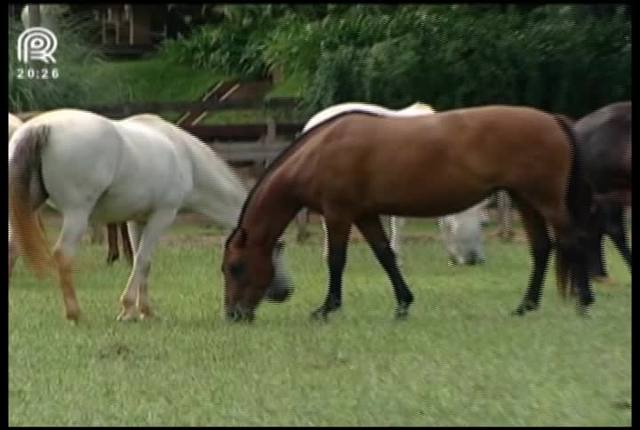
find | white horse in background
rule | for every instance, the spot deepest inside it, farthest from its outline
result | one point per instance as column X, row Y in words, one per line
column 462, row 234
column 416, row 109
column 141, row 169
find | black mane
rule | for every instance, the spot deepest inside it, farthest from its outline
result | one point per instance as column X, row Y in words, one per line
column 297, row 142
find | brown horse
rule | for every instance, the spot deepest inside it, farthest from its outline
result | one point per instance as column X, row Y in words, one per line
column 356, row 166
column 113, row 251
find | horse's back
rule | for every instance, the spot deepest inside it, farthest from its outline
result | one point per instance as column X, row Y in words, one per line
column 606, row 145
column 462, row 152
column 14, row 123
column 80, row 156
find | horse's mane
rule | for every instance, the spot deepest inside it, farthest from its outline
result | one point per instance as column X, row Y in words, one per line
column 297, row 143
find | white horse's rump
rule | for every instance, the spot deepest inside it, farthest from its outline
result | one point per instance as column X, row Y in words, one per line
column 462, row 234
column 416, row 109
column 141, row 169
column 14, row 124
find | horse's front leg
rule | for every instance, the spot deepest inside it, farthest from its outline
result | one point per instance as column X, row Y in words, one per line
column 134, row 298
column 336, row 238
column 394, row 234
column 615, row 228
column 371, row 229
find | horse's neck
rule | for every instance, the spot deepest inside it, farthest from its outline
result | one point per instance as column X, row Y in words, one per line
column 269, row 211
column 217, row 192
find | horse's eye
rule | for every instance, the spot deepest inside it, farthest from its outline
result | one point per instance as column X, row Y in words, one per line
column 237, row 269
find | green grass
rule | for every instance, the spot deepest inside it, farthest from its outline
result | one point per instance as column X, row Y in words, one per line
column 459, row 359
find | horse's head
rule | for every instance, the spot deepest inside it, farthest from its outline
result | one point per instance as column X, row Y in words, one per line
column 252, row 273
column 462, row 235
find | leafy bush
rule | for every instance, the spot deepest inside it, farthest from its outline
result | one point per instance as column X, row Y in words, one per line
column 564, row 58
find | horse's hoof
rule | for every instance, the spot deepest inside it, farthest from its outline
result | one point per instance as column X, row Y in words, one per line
column 319, row 314
column 402, row 311
column 583, row 311
column 518, row 312
column 402, row 314
column 73, row 318
column 146, row 313
column 607, row 280
column 127, row 315
column 73, row 315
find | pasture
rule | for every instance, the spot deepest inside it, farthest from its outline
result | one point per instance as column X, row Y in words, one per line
column 459, row 359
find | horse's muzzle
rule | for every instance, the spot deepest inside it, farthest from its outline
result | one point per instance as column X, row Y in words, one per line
column 279, row 290
column 240, row 313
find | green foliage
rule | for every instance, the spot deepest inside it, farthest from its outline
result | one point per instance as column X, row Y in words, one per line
column 565, row 58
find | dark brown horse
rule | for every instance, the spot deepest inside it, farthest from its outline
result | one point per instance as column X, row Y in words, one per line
column 605, row 139
column 113, row 251
column 357, row 166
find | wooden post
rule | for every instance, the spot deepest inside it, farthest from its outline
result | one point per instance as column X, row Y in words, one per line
column 116, row 22
column 505, row 216
column 139, row 25
column 103, row 23
column 34, row 15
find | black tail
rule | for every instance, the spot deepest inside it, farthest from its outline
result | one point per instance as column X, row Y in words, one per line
column 579, row 202
column 579, row 192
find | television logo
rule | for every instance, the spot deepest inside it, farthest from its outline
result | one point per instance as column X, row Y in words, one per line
column 37, row 44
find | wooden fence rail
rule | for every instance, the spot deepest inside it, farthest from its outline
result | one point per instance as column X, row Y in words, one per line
column 128, row 109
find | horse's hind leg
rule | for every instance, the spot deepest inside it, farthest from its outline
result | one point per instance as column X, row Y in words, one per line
column 336, row 238
column 13, row 252
column 149, row 237
column 615, row 228
column 73, row 227
column 540, row 244
column 371, row 229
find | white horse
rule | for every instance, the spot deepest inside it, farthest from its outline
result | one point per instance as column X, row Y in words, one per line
column 14, row 124
column 96, row 230
column 415, row 109
column 141, row 169
column 462, row 234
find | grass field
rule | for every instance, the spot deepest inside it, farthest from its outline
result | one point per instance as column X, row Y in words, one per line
column 459, row 359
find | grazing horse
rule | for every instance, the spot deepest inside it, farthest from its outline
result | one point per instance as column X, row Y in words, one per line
column 415, row 109
column 86, row 165
column 356, row 166
column 605, row 139
column 462, row 235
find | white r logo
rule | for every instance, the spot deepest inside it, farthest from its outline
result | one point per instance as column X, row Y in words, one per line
column 37, row 43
